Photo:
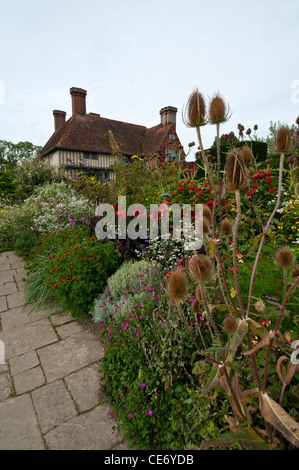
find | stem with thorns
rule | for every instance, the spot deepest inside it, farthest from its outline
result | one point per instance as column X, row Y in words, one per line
column 209, row 173
column 218, row 170
column 235, row 233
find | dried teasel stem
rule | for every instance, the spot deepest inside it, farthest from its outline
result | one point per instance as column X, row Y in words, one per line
column 235, row 234
column 207, row 166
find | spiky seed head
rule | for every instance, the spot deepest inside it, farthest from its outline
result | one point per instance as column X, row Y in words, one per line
column 205, row 225
column 226, row 228
column 260, row 306
column 196, row 110
column 207, row 214
column 255, row 127
column 177, row 285
column 283, row 139
column 218, row 111
column 198, row 293
column 201, row 267
column 295, row 272
column 246, row 154
column 230, row 324
column 297, row 120
column 195, row 306
column 236, row 175
column 248, row 132
column 285, row 257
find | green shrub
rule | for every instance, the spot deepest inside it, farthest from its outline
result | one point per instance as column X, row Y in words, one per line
column 70, row 267
column 128, row 284
column 30, row 174
column 16, row 224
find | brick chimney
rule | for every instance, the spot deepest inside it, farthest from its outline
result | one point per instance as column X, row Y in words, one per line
column 168, row 116
column 59, row 119
column 78, row 100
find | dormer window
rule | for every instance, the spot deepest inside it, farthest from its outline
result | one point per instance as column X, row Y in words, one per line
column 171, row 136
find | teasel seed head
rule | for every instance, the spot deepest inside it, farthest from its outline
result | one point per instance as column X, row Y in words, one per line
column 177, row 285
column 236, row 175
column 285, row 257
column 230, row 324
column 295, row 272
column 283, row 139
column 246, row 154
column 195, row 110
column 207, row 214
column 198, row 293
column 205, row 225
column 195, row 306
column 201, row 267
column 218, row 110
column 260, row 306
column 226, row 228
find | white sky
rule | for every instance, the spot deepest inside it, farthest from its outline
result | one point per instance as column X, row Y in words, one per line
column 134, row 57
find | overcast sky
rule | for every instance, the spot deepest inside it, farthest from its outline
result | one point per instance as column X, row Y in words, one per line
column 135, row 57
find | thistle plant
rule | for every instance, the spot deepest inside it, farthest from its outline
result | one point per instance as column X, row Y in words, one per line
column 238, row 327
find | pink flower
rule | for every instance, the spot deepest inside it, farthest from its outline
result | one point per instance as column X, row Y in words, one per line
column 131, row 415
column 126, row 324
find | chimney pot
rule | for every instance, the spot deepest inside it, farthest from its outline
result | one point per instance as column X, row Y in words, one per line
column 78, row 100
column 59, row 119
column 168, row 116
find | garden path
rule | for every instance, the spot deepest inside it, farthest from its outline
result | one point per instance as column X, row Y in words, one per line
column 50, row 396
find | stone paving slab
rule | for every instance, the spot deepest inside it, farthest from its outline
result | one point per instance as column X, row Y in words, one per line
column 88, row 431
column 15, row 300
column 59, row 405
column 61, row 318
column 26, row 338
column 19, row 428
column 3, row 304
column 69, row 329
column 69, row 355
column 5, row 387
column 6, row 276
column 8, row 288
column 24, row 362
column 85, row 379
column 29, row 380
column 21, row 316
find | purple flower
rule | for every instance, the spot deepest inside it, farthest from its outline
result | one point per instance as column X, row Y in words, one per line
column 143, row 384
column 127, row 324
column 72, row 223
column 149, row 412
column 131, row 415
column 62, row 215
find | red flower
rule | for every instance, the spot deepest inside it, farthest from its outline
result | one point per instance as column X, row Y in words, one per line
column 271, row 190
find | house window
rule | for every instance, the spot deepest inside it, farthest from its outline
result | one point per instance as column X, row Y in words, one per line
column 171, row 155
column 90, row 156
column 171, row 136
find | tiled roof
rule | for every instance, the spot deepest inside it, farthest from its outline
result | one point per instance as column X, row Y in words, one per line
column 90, row 133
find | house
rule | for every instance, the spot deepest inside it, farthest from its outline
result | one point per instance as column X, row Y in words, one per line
column 88, row 141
